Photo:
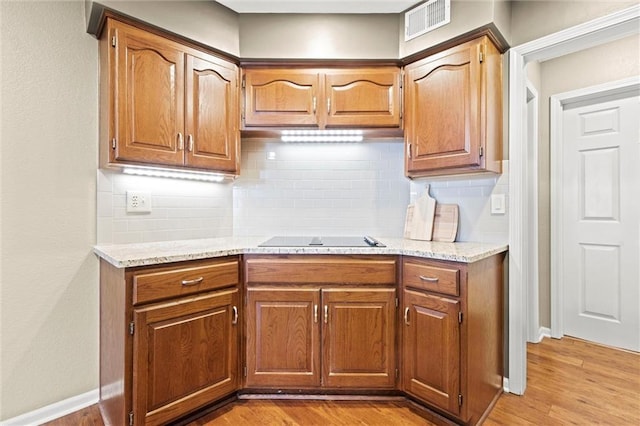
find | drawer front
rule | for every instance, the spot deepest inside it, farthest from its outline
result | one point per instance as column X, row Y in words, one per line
column 320, row 269
column 152, row 285
column 441, row 279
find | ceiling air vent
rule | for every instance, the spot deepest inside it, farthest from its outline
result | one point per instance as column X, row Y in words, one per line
column 426, row 17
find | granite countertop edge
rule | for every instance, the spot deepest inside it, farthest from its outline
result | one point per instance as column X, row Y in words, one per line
column 157, row 253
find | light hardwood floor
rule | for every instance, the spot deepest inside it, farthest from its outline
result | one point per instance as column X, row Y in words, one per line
column 570, row 382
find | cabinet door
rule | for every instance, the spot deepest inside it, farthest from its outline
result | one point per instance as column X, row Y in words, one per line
column 431, row 348
column 212, row 134
column 185, row 355
column 359, row 338
column 283, row 337
column 149, row 98
column 281, row 97
column 362, row 97
column 443, row 98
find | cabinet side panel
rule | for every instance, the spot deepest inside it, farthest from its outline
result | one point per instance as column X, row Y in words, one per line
column 115, row 401
column 485, row 329
column 493, row 113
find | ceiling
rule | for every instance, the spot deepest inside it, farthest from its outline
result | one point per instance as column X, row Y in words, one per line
column 319, row 6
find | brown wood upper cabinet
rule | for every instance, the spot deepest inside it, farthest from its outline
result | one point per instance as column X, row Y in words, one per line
column 166, row 104
column 322, row 98
column 453, row 111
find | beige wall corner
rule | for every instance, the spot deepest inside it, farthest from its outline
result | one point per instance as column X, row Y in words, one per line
column 205, row 22
column 49, row 275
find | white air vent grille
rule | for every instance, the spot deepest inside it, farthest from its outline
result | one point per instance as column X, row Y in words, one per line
column 426, row 17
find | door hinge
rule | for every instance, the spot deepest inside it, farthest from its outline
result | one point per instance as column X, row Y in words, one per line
column 481, row 151
column 113, row 41
column 409, row 151
column 459, row 317
column 132, row 328
column 459, row 400
column 481, row 56
column 113, row 143
column 244, row 81
column 244, row 371
column 397, row 374
column 131, row 418
column 397, row 302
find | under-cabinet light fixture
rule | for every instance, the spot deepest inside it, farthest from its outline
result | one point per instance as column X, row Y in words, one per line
column 321, row 136
column 143, row 171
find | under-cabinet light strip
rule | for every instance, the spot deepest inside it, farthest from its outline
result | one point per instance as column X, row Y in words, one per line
column 206, row 177
column 321, row 136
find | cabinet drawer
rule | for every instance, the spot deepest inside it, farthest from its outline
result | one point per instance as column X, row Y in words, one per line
column 154, row 285
column 320, row 270
column 441, row 279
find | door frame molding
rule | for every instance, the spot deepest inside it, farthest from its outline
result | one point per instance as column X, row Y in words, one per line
column 557, row 106
column 617, row 25
column 533, row 313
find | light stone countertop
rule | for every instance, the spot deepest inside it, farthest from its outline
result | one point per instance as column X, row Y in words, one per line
column 142, row 254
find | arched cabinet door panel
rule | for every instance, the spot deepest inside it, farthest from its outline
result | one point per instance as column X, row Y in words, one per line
column 453, row 118
column 166, row 104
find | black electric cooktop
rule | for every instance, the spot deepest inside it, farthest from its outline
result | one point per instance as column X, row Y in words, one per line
column 365, row 241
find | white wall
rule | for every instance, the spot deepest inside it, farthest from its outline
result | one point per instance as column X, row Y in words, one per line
column 321, row 189
column 180, row 209
column 49, row 275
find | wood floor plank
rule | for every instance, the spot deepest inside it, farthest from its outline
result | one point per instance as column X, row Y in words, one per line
column 570, row 382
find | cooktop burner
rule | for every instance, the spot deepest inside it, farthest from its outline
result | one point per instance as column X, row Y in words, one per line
column 322, row 242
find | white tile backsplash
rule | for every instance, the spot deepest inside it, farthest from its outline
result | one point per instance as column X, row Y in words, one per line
column 306, row 189
column 473, row 196
column 320, row 189
column 181, row 209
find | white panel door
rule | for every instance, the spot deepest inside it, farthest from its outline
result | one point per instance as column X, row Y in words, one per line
column 600, row 224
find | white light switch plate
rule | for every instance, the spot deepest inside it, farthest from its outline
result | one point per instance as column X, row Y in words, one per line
column 498, row 204
column 138, row 202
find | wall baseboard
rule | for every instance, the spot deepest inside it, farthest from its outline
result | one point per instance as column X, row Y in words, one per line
column 543, row 332
column 55, row 410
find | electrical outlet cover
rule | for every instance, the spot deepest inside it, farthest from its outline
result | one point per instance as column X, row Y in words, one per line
column 138, row 202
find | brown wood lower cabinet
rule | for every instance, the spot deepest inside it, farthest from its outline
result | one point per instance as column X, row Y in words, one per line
column 171, row 335
column 185, row 355
column 431, row 349
column 283, row 337
column 321, row 322
column 287, row 328
column 452, row 339
column 169, row 339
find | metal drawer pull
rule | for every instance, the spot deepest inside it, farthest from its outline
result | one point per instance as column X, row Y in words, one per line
column 180, row 142
column 192, row 282
column 314, row 105
column 326, row 314
column 190, row 143
column 429, row 279
column 315, row 313
column 234, row 321
column 328, row 106
column 406, row 316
